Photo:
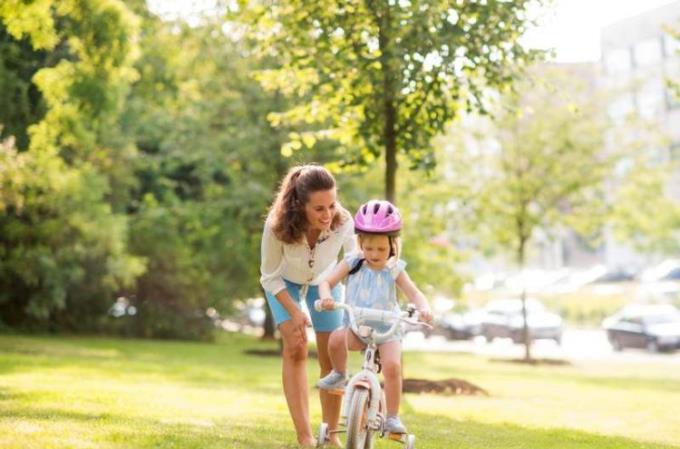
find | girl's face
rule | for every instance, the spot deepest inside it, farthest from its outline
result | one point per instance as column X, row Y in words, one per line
column 320, row 209
column 376, row 249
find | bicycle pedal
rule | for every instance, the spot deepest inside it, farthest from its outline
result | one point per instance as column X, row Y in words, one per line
column 396, row 436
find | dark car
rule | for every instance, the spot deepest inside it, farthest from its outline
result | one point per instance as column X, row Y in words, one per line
column 503, row 319
column 652, row 326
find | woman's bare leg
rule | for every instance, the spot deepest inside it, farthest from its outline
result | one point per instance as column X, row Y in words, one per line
column 295, row 387
column 330, row 403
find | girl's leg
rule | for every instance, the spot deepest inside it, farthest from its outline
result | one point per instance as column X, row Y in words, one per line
column 340, row 342
column 334, row 358
column 295, row 382
column 337, row 350
column 390, row 357
column 330, row 403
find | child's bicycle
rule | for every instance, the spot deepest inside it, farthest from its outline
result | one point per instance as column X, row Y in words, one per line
column 363, row 408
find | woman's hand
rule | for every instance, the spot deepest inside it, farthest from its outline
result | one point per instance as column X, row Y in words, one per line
column 300, row 321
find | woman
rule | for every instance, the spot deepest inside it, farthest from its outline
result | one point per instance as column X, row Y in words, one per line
column 305, row 230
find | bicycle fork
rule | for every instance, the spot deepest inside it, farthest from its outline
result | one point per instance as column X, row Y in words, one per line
column 368, row 380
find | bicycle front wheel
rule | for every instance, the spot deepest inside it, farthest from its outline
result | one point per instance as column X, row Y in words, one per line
column 357, row 420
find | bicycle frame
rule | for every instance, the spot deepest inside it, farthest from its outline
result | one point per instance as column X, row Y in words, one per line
column 367, row 378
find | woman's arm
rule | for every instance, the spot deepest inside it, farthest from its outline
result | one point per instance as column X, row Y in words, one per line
column 414, row 295
column 339, row 273
column 271, row 261
column 270, row 270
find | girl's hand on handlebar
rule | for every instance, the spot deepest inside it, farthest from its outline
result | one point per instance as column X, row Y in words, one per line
column 425, row 315
column 327, row 303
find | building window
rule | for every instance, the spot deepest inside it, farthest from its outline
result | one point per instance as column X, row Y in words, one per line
column 647, row 52
column 618, row 61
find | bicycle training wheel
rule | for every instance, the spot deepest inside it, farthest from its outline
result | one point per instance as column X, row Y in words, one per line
column 323, row 435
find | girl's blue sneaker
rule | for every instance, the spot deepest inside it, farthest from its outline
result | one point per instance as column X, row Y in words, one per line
column 333, row 381
column 393, row 425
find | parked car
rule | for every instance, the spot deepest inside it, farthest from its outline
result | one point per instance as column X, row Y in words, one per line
column 503, row 319
column 652, row 326
column 660, row 283
column 460, row 326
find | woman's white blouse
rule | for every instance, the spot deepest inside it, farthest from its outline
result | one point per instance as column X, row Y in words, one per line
column 298, row 262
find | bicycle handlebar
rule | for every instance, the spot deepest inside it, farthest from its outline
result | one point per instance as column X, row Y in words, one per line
column 362, row 314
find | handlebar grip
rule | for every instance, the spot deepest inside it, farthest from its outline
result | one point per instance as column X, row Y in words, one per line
column 318, row 307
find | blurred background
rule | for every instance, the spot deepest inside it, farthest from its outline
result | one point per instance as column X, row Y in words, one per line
column 532, row 146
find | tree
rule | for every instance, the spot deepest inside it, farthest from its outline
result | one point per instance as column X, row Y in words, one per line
column 63, row 239
column 384, row 77
column 644, row 215
column 542, row 164
column 210, row 163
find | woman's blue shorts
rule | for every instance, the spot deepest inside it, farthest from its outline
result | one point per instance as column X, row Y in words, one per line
column 326, row 321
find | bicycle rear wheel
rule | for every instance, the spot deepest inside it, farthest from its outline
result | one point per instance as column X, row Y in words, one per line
column 357, row 420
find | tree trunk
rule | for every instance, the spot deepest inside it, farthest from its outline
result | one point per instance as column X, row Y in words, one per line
column 280, row 167
column 390, row 163
column 269, row 329
column 526, row 334
column 389, row 107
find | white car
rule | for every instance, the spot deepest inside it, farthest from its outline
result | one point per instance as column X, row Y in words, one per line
column 503, row 319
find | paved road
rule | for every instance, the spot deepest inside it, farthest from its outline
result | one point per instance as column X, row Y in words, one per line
column 577, row 344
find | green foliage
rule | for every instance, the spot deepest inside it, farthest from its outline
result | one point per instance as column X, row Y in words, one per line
column 63, row 242
column 32, row 19
column 431, row 244
column 203, row 180
column 21, row 104
column 170, row 161
column 383, row 77
column 542, row 165
column 643, row 214
column 63, row 250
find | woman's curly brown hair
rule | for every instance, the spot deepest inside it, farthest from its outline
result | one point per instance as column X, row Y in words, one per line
column 289, row 221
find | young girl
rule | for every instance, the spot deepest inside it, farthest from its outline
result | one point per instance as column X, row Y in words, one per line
column 371, row 280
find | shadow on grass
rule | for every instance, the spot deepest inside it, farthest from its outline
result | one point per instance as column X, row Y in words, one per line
column 51, row 425
column 185, row 362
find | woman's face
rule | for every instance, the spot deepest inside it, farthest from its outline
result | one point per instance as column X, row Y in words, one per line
column 320, row 209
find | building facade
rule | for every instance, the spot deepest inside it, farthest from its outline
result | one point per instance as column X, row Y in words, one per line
column 639, row 58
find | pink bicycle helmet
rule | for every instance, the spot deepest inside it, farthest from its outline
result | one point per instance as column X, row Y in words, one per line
column 378, row 217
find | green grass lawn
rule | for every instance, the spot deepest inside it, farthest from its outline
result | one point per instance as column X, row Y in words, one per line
column 70, row 392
